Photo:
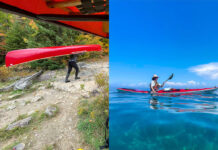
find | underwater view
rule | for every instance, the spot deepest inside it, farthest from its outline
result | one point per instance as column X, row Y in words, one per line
column 177, row 122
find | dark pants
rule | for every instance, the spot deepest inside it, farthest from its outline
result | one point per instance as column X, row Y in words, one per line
column 72, row 64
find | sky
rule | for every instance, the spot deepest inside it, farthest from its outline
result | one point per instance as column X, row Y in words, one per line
column 162, row 37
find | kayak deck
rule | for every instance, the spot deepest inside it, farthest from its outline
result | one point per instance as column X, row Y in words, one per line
column 172, row 91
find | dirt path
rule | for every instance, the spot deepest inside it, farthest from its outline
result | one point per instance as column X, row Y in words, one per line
column 60, row 131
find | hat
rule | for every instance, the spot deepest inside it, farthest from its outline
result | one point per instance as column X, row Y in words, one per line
column 155, row 76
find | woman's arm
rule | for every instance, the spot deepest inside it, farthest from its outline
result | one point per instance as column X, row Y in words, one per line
column 163, row 84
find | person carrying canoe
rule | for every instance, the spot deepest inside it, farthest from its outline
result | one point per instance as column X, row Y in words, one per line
column 154, row 85
column 72, row 64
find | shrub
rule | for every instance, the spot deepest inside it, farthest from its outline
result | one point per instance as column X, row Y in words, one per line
column 93, row 114
column 102, row 81
column 46, row 64
column 4, row 73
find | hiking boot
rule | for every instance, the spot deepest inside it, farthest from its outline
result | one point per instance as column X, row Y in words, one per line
column 67, row 81
column 77, row 78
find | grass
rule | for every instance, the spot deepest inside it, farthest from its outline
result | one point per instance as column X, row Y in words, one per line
column 49, row 86
column 82, row 86
column 4, row 84
column 4, row 106
column 50, row 147
column 93, row 115
column 10, row 147
column 16, row 93
column 27, row 102
column 37, row 118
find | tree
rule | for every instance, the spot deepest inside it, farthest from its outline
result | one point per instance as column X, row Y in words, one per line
column 15, row 37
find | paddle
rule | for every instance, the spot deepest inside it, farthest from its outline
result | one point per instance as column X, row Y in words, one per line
column 170, row 77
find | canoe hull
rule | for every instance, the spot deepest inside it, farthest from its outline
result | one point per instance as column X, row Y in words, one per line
column 26, row 55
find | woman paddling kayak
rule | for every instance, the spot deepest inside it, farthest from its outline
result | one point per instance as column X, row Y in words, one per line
column 154, row 85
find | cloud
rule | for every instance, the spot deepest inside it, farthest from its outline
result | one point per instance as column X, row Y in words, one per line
column 175, row 83
column 140, row 84
column 192, row 82
column 188, row 83
column 206, row 70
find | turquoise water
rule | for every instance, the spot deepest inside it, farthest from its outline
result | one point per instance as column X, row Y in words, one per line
column 142, row 122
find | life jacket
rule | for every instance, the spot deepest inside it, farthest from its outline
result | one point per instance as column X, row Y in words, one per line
column 156, row 86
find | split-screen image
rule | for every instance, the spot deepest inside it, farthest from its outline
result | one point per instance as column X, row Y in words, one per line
column 100, row 75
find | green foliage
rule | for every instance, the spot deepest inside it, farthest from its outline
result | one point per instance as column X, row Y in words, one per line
column 21, row 33
column 50, row 147
column 82, row 86
column 5, row 20
column 93, row 114
column 50, row 35
column 46, row 64
column 15, row 38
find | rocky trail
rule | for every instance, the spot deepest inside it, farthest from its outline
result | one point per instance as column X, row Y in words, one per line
column 59, row 131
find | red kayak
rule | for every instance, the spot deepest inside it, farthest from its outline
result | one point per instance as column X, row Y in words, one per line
column 31, row 54
column 171, row 91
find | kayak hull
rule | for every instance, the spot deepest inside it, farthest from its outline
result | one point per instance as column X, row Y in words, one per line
column 173, row 91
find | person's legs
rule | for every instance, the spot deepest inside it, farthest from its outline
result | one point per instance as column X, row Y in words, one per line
column 68, row 72
column 77, row 70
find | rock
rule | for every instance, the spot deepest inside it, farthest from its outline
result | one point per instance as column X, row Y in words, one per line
column 22, row 84
column 14, row 96
column 60, row 97
column 47, row 75
column 94, row 93
column 20, row 146
column 85, row 95
column 31, row 112
column 22, row 103
column 26, row 82
column 42, row 88
column 11, row 107
column 13, row 102
column 36, row 99
column 82, row 65
column 50, row 110
column 21, row 123
column 85, row 73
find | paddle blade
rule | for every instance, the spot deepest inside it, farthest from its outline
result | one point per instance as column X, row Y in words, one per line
column 171, row 76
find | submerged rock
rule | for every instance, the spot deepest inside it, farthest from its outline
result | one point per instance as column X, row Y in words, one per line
column 21, row 123
column 50, row 110
column 20, row 146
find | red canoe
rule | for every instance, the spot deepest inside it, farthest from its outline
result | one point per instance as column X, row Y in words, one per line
column 173, row 91
column 83, row 15
column 26, row 55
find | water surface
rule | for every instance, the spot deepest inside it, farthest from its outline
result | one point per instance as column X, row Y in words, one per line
column 143, row 122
